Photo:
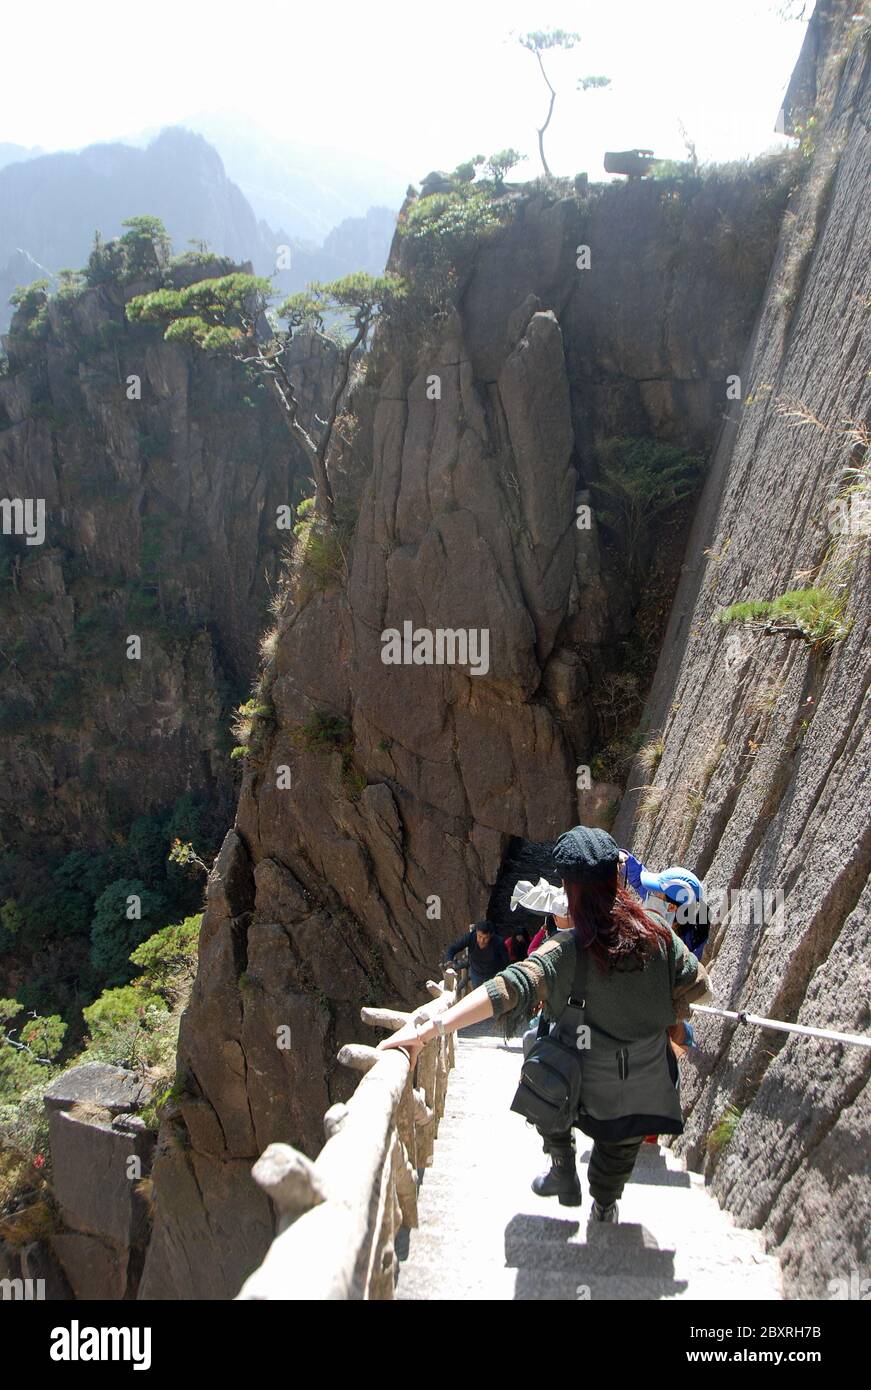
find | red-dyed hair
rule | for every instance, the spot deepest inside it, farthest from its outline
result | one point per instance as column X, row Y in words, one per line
column 615, row 927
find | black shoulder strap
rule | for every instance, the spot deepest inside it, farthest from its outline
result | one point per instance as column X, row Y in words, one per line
column 579, row 983
column 572, row 1017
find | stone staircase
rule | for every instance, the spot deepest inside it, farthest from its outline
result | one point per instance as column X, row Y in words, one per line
column 483, row 1234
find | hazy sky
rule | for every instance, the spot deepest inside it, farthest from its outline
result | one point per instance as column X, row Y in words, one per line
column 418, row 84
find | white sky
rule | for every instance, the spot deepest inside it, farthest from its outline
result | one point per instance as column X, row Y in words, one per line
column 415, row 83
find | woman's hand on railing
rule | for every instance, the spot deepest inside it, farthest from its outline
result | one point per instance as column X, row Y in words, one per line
column 405, row 1038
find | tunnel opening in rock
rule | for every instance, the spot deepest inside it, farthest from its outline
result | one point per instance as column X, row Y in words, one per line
column 523, row 859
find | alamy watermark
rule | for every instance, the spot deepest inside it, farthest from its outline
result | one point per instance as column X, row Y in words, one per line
column 761, row 907
column 77, row 1343
column 850, row 515
column 23, row 516
column 441, row 646
column 22, row 1290
column 856, row 1289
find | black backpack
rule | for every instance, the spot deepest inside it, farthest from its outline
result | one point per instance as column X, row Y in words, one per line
column 549, row 1094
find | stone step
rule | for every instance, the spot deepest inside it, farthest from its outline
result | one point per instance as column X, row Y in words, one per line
column 429, row 1284
column 606, row 1250
column 441, row 1179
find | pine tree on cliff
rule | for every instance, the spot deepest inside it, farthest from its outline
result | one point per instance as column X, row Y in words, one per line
column 228, row 314
column 541, row 41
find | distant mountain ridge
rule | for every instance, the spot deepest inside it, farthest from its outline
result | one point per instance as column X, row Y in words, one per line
column 11, row 154
column 51, row 206
column 296, row 184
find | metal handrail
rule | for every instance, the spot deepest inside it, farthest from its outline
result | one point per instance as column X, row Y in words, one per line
column 758, row 1021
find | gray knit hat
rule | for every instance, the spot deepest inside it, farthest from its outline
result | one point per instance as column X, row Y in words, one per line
column 586, row 855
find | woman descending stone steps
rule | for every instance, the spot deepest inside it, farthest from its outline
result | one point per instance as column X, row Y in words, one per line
column 610, row 987
column 482, row 1234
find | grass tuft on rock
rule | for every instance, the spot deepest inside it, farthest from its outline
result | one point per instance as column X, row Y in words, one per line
column 322, row 546
column 817, row 615
column 650, row 801
column 323, row 732
column 723, row 1130
column 650, row 756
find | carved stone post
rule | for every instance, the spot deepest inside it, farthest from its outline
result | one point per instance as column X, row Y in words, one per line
column 290, row 1180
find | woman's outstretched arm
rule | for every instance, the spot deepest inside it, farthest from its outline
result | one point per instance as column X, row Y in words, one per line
column 473, row 1008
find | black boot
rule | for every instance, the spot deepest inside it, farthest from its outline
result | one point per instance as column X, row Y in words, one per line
column 562, row 1179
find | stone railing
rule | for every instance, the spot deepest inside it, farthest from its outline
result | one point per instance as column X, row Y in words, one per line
column 339, row 1215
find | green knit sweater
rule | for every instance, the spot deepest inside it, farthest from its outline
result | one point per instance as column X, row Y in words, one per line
column 627, row 1004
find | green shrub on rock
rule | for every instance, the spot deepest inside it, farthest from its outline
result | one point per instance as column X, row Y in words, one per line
column 447, row 224
column 169, row 955
column 116, row 1007
column 31, row 309
column 640, row 480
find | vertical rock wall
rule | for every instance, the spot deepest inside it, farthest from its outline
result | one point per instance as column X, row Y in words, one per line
column 160, row 520
column 763, row 783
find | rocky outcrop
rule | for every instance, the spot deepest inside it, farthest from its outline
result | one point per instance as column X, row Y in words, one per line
column 380, row 798
column 167, row 478
column 211, row 1219
column 101, row 1152
column 50, row 205
column 767, row 746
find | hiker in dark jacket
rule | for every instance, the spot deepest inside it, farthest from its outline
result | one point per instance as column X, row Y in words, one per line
column 640, row 980
column 487, row 954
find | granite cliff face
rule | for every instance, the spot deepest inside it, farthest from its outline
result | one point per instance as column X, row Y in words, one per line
column 763, row 781
column 466, row 455
column 160, row 472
